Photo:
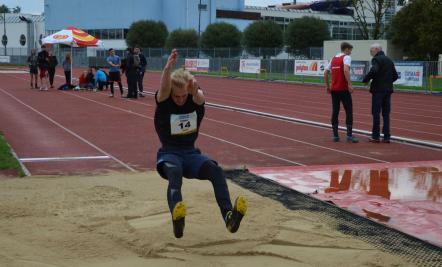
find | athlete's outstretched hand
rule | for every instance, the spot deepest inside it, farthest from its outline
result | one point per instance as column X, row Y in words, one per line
column 192, row 87
column 172, row 58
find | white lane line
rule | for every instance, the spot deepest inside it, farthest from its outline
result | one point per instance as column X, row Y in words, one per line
column 297, row 141
column 68, row 130
column 320, row 116
column 23, row 167
column 288, row 138
column 324, row 125
column 201, row 133
column 318, row 106
column 63, row 158
column 13, row 72
column 251, row 129
column 307, row 122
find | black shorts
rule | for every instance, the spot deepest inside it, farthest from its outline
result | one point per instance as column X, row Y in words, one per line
column 33, row 70
column 190, row 160
column 114, row 76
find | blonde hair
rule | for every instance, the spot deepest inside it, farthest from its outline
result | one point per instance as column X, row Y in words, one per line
column 180, row 78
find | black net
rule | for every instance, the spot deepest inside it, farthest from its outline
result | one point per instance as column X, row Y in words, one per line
column 390, row 240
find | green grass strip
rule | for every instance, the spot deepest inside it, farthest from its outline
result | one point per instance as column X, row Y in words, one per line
column 7, row 160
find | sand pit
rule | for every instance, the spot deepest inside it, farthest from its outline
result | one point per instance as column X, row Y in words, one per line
column 123, row 220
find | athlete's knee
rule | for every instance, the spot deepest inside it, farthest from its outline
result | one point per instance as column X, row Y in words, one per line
column 211, row 171
column 172, row 171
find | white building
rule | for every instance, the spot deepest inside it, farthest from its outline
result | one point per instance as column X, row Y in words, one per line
column 23, row 31
column 342, row 27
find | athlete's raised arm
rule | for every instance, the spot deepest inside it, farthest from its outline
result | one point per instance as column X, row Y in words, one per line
column 166, row 86
column 196, row 92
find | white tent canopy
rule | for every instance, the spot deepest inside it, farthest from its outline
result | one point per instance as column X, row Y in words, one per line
column 72, row 37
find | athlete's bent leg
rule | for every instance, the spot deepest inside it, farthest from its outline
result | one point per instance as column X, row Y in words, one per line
column 232, row 216
column 212, row 172
column 174, row 174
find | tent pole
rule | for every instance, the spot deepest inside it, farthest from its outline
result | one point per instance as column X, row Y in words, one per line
column 72, row 59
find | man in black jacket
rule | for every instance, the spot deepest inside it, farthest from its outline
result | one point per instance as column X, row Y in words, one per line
column 52, row 64
column 383, row 74
column 141, row 70
column 131, row 69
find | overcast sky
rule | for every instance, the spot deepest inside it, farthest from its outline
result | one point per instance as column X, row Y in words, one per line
column 36, row 6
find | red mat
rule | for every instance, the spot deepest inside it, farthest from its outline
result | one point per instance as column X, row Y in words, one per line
column 404, row 196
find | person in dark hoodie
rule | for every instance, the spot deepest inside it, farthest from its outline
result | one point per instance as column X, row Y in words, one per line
column 141, row 70
column 53, row 62
column 132, row 64
column 382, row 75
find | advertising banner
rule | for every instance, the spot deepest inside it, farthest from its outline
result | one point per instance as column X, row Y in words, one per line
column 310, row 67
column 197, row 65
column 5, row 59
column 410, row 73
column 358, row 69
column 250, row 66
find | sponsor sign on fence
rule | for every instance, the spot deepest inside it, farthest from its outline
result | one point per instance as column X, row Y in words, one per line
column 410, row 73
column 250, row 66
column 5, row 59
column 310, row 67
column 358, row 70
column 197, row 65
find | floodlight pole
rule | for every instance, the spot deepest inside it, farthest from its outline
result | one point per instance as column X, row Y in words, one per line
column 199, row 28
column 4, row 28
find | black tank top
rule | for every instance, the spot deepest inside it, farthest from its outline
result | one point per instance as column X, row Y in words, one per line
column 178, row 126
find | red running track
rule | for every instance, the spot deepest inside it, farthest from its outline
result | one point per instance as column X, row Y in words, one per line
column 414, row 116
column 59, row 124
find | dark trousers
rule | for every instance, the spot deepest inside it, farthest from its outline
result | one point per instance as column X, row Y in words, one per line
column 67, row 76
column 120, row 85
column 345, row 98
column 381, row 102
column 132, row 79
column 140, row 81
column 209, row 171
column 51, row 72
column 101, row 85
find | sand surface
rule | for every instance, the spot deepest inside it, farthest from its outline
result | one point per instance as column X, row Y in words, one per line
column 123, row 220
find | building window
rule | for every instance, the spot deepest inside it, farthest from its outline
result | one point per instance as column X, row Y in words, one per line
column 23, row 40
column 111, row 34
column 119, row 34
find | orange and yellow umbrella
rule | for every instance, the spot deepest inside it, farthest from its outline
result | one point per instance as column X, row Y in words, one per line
column 72, row 36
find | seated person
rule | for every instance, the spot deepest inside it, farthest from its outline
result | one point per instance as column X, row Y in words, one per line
column 100, row 79
column 90, row 77
column 87, row 80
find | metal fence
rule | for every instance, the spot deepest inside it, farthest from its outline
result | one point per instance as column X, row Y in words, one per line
column 275, row 53
column 276, row 64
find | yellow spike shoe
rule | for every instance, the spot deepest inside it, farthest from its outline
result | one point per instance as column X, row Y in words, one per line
column 178, row 219
column 234, row 217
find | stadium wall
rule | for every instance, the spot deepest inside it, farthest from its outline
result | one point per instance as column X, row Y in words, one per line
column 361, row 49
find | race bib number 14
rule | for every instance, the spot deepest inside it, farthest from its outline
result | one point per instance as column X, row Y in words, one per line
column 182, row 124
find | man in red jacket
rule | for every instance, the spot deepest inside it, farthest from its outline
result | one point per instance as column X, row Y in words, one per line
column 341, row 90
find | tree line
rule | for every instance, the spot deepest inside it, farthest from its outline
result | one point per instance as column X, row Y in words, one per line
column 416, row 28
column 300, row 34
column 5, row 9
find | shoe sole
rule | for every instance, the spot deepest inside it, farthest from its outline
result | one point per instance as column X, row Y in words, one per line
column 241, row 205
column 239, row 210
column 179, row 211
column 178, row 217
